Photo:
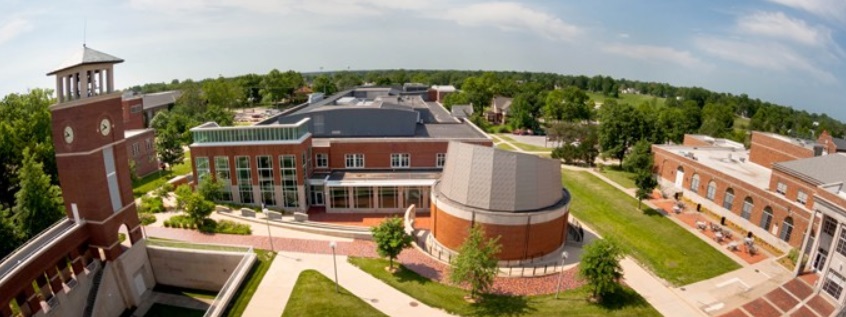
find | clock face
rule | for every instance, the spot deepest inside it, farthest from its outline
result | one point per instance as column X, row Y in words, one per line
column 105, row 127
column 68, row 135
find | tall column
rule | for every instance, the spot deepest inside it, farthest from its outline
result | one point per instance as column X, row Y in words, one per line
column 830, row 255
column 83, row 84
column 59, row 90
column 808, row 232
column 100, row 82
column 68, row 87
column 111, row 80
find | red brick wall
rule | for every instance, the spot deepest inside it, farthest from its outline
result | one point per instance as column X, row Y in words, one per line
column 378, row 154
column 145, row 160
column 133, row 120
column 828, row 142
column 518, row 241
column 690, row 140
column 793, row 186
column 766, row 150
column 667, row 162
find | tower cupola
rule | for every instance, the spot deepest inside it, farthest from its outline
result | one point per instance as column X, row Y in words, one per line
column 86, row 74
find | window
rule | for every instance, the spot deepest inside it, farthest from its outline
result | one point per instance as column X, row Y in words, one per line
column 728, row 199
column 786, row 229
column 802, row 197
column 136, row 108
column 388, row 197
column 363, row 197
column 841, row 243
column 767, row 218
column 288, row 174
column 440, row 159
column 354, row 160
column 202, row 167
column 712, row 190
column 400, row 160
column 223, row 174
column 136, row 148
column 149, row 145
column 322, row 160
column 781, row 188
column 829, row 226
column 694, row 183
column 413, row 196
column 338, row 197
column 265, row 178
column 245, row 179
column 746, row 212
column 833, row 284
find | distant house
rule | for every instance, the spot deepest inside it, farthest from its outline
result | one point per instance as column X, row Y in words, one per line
column 831, row 144
column 462, row 111
column 438, row 93
column 499, row 110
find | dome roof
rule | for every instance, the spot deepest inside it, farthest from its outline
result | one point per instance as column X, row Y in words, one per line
column 496, row 180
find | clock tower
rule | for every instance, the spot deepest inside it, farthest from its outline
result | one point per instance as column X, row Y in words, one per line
column 91, row 154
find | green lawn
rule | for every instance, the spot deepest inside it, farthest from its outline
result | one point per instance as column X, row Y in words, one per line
column 248, row 288
column 619, row 176
column 314, row 295
column 668, row 250
column 162, row 310
column 155, row 180
column 570, row 303
column 632, row 99
column 505, row 146
column 524, row 146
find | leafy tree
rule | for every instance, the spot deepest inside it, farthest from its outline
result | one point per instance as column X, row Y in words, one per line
column 646, row 183
column 520, row 113
column 10, row 236
column 211, row 189
column 567, row 152
column 38, row 204
column 476, row 262
column 639, row 158
column 223, row 93
column 198, row 208
column 220, row 115
column 456, row 98
column 277, row 85
column 164, row 191
column 717, row 120
column 169, row 147
column 619, row 129
column 323, row 84
column 600, row 267
column 346, row 80
column 151, row 204
column 391, row 239
column 568, row 104
column 183, row 194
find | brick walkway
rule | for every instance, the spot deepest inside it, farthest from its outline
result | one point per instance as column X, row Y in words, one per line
column 362, row 219
column 411, row 258
column 794, row 298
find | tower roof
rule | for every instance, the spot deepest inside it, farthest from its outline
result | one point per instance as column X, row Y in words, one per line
column 85, row 56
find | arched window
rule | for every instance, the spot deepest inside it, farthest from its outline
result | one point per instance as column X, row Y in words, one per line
column 747, row 208
column 767, row 218
column 712, row 190
column 694, row 183
column 786, row 229
column 728, row 199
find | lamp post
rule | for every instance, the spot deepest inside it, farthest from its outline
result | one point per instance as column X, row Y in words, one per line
column 335, row 262
column 267, row 221
column 561, row 274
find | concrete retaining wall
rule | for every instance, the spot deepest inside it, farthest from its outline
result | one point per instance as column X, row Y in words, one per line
column 197, row 269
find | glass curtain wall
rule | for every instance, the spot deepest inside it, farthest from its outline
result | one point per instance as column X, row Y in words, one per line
column 245, row 179
column 265, row 171
column 221, row 169
column 288, row 174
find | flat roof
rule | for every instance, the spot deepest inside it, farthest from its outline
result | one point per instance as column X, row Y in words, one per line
column 731, row 161
column 808, row 144
column 718, row 141
column 425, row 177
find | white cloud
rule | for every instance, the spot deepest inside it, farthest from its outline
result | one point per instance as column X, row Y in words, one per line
column 830, row 9
column 779, row 25
column 323, row 7
column 13, row 28
column 510, row 16
column 655, row 54
column 764, row 55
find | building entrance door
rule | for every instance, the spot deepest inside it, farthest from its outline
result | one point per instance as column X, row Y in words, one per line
column 317, row 196
column 680, row 178
column 819, row 261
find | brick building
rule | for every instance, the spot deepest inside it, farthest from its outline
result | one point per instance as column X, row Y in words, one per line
column 373, row 149
column 787, row 192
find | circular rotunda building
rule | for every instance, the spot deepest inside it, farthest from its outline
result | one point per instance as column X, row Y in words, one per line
column 516, row 196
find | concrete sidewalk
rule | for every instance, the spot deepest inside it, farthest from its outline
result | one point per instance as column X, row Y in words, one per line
column 275, row 289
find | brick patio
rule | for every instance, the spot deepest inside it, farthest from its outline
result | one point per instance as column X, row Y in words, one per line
column 785, row 299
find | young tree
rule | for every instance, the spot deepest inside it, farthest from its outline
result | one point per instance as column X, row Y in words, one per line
column 183, row 194
column 38, row 204
column 163, row 192
column 646, row 183
column 198, row 208
column 391, row 239
column 211, row 189
column 10, row 236
column 600, row 267
column 619, row 128
column 476, row 263
column 169, row 147
column 639, row 158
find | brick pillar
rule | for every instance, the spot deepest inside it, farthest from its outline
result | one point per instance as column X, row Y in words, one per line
column 76, row 262
column 55, row 280
column 32, row 300
column 113, row 253
column 20, row 299
column 135, row 235
column 5, row 309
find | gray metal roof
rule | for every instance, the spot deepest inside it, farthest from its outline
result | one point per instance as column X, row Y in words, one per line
column 448, row 131
column 462, row 111
column 496, row 180
column 160, row 99
column 839, row 143
column 84, row 56
column 824, row 169
column 502, row 103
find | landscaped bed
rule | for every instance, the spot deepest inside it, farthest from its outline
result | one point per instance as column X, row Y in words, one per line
column 665, row 248
column 570, row 303
column 314, row 295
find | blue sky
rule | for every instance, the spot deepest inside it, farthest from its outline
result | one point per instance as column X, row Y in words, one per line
column 785, row 51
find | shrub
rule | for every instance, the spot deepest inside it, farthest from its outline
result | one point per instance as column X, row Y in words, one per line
column 231, row 227
column 147, row 218
column 150, row 204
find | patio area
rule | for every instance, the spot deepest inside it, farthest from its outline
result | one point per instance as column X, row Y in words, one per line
column 319, row 214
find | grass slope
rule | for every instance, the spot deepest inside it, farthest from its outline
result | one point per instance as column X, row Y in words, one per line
column 157, row 179
column 245, row 292
column 449, row 298
column 619, row 176
column 314, row 295
column 668, row 250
